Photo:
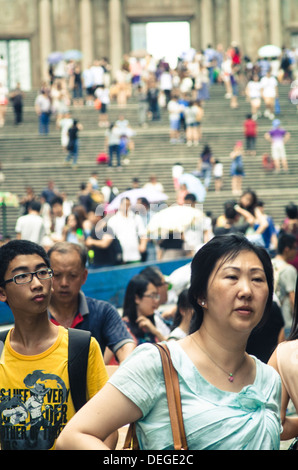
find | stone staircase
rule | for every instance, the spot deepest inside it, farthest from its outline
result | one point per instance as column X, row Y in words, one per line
column 30, row 159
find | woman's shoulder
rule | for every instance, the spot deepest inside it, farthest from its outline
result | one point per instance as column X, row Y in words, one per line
column 145, row 353
column 285, row 357
column 142, row 365
column 267, row 377
column 176, row 334
column 287, row 350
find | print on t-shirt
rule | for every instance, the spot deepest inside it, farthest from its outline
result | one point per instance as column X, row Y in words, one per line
column 33, row 417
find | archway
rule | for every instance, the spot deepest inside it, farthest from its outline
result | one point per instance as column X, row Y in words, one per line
column 167, row 40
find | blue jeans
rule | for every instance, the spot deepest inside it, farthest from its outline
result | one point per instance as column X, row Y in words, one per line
column 114, row 149
column 74, row 153
column 206, row 175
column 44, row 120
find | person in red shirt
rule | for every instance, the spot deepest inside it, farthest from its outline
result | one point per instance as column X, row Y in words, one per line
column 251, row 133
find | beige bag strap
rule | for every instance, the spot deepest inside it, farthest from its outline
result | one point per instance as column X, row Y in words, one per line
column 174, row 398
column 131, row 440
column 174, row 404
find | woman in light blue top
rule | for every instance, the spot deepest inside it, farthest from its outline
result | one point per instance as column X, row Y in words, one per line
column 230, row 400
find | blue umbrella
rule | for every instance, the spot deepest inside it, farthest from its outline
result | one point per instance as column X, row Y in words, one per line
column 55, row 57
column 73, row 54
column 194, row 186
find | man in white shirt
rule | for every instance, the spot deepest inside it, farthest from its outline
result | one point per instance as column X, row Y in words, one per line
column 269, row 87
column 97, row 74
column 65, row 124
column 154, row 184
column 253, row 92
column 42, row 106
column 58, row 219
column 88, row 82
column 128, row 227
column 31, row 226
column 174, row 110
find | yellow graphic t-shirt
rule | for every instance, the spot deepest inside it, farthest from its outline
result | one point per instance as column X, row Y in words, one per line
column 35, row 397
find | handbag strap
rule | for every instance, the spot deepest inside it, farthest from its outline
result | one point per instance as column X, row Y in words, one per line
column 131, row 441
column 174, row 398
column 174, row 405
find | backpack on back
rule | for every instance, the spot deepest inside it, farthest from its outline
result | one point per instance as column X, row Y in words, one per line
column 78, row 351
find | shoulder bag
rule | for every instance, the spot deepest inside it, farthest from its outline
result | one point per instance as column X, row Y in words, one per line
column 174, row 404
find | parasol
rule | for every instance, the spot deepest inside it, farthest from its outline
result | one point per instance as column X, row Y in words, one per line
column 269, row 51
column 194, row 186
column 175, row 218
column 134, row 194
column 55, row 57
column 72, row 54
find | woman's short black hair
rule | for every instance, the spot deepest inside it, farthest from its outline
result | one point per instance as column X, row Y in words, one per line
column 223, row 247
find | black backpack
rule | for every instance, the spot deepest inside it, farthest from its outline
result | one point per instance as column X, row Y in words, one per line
column 78, row 351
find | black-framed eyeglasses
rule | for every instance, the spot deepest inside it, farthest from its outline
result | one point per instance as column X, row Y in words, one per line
column 26, row 278
column 152, row 296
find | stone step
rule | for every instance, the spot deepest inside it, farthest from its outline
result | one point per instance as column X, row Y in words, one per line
column 29, row 159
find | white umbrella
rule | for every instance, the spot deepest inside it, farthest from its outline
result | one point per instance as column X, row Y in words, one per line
column 55, row 57
column 174, row 219
column 194, row 186
column 73, row 54
column 269, row 51
column 133, row 195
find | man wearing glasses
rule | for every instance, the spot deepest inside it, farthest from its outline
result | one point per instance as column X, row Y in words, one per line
column 35, row 398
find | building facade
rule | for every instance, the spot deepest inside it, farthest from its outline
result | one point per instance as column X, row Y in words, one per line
column 31, row 29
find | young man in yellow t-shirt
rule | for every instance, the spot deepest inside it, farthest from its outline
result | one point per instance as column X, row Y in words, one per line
column 35, row 395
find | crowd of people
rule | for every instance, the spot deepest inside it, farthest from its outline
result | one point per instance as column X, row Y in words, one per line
column 254, row 272
column 229, row 316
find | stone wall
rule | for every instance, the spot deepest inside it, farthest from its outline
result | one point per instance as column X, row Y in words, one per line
column 102, row 27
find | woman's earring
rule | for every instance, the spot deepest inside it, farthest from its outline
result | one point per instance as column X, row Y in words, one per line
column 203, row 303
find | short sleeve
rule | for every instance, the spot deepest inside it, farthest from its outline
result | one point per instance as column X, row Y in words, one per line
column 289, row 277
column 97, row 375
column 140, row 376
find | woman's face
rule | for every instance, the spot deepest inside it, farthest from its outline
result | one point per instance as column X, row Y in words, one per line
column 237, row 293
column 147, row 304
column 246, row 200
column 72, row 221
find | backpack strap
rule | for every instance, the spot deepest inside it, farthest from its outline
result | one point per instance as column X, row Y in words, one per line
column 78, row 351
column 3, row 335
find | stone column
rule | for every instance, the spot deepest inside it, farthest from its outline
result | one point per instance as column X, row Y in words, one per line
column 86, row 30
column 275, row 23
column 235, row 21
column 45, row 36
column 207, row 24
column 115, row 29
